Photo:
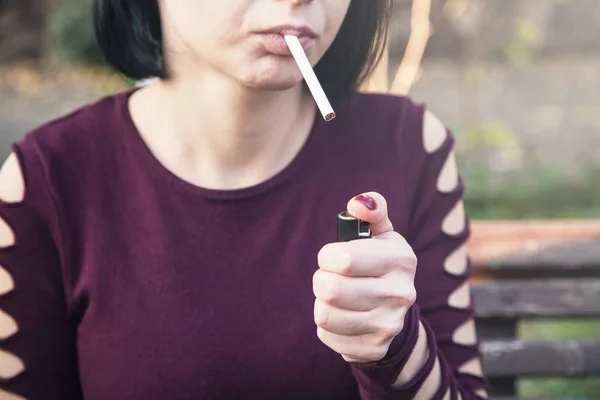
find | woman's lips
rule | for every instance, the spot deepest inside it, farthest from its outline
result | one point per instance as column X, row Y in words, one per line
column 275, row 43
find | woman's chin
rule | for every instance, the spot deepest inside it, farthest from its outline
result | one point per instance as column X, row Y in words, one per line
column 279, row 77
column 273, row 85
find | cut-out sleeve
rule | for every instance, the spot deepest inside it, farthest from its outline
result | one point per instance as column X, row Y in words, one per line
column 37, row 337
column 443, row 317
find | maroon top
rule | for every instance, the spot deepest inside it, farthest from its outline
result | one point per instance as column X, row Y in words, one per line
column 130, row 283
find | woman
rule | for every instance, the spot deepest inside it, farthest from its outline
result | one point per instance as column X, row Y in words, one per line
column 178, row 241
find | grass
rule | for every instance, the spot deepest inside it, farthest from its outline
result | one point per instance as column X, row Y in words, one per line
column 533, row 194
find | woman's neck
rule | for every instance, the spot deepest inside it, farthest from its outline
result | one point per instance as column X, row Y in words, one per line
column 217, row 134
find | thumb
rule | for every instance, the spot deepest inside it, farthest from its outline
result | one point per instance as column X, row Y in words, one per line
column 371, row 207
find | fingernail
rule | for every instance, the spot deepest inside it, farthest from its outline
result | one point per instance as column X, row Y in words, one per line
column 367, row 201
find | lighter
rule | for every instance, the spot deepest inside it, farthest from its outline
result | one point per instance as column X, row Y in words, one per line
column 351, row 228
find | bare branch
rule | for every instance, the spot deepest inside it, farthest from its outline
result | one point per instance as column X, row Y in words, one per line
column 417, row 42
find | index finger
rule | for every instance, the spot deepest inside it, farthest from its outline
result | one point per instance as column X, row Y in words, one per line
column 367, row 257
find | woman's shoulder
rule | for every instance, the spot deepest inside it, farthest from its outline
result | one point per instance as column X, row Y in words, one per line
column 71, row 153
column 381, row 103
column 402, row 119
column 408, row 129
column 87, row 128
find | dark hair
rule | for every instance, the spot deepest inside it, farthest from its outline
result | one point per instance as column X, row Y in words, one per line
column 129, row 35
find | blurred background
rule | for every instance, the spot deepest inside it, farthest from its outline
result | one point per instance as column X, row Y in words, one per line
column 517, row 81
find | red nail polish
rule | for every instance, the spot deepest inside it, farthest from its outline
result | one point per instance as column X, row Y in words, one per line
column 367, row 201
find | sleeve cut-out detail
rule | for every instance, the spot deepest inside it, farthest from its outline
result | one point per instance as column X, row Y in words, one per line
column 7, row 283
column 4, row 395
column 432, row 384
column 8, row 325
column 459, row 396
column 448, row 179
column 482, row 393
column 437, row 228
column 434, row 132
column 448, row 395
column 38, row 331
column 454, row 222
column 465, row 334
column 7, row 236
column 472, row 367
column 10, row 365
column 456, row 263
column 412, row 366
column 12, row 185
column 461, row 297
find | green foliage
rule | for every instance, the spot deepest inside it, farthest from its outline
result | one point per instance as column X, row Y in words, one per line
column 525, row 38
column 494, row 134
column 560, row 388
column 504, row 181
column 71, row 34
column 543, row 193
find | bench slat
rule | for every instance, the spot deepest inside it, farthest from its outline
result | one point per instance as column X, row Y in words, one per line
column 512, row 358
column 547, row 298
column 570, row 255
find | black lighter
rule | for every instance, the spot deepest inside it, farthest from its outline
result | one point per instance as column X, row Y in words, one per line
column 351, row 228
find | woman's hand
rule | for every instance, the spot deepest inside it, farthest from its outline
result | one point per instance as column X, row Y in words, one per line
column 364, row 287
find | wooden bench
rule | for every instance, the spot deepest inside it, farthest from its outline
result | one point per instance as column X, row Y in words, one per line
column 559, row 280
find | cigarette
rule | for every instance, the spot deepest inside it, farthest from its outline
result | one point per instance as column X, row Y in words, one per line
column 309, row 76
